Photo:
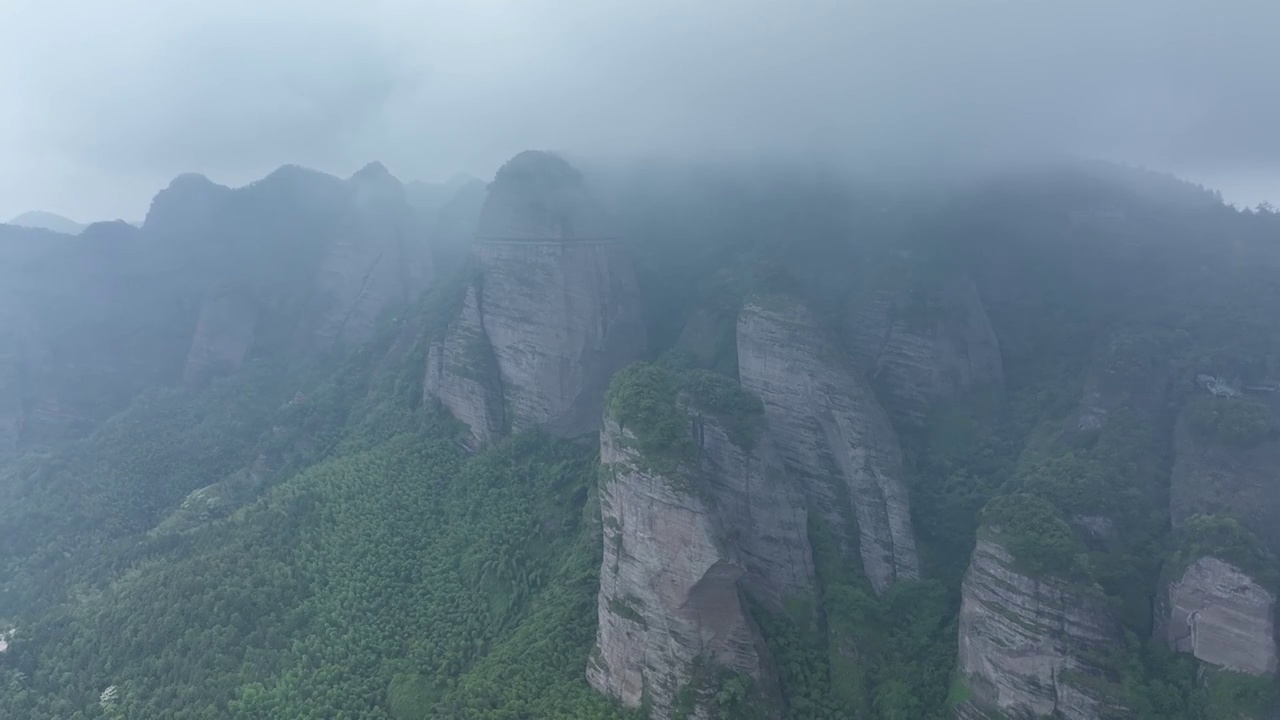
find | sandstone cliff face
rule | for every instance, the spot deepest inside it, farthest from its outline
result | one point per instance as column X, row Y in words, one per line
column 223, row 336
column 832, row 433
column 84, row 326
column 558, row 301
column 298, row 262
column 460, row 373
column 921, row 348
column 1025, row 642
column 679, row 550
column 379, row 258
column 1224, row 617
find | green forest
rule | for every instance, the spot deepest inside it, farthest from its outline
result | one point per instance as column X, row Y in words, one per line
column 316, row 539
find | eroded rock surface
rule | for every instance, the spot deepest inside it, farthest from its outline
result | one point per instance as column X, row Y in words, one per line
column 223, row 337
column 557, row 300
column 1026, row 643
column 298, row 263
column 924, row 347
column 832, row 433
column 461, row 373
column 1221, row 615
column 680, row 548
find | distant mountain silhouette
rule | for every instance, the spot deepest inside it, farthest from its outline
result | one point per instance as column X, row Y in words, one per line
column 48, row 221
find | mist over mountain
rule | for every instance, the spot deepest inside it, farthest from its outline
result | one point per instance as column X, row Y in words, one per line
column 671, row 361
column 99, row 121
column 645, row 440
column 47, row 221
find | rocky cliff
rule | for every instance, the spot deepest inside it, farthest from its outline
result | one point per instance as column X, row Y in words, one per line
column 86, row 325
column 381, row 257
column 1223, row 616
column 223, row 336
column 681, row 546
column 1028, row 644
column 1223, row 493
column 557, row 301
column 462, row 373
column 299, row 262
column 832, row 433
column 921, row 346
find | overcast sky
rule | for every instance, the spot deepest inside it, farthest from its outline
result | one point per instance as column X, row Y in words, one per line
column 102, row 102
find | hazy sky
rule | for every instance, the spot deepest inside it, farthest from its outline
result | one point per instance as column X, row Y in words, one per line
column 102, row 102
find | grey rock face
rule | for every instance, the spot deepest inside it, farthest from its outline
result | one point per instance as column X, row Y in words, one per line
column 678, row 551
column 1025, row 642
column 558, row 301
column 300, row 261
column 923, row 350
column 1221, row 615
column 380, row 258
column 832, row 433
column 459, row 373
column 562, row 317
column 538, row 196
column 223, row 336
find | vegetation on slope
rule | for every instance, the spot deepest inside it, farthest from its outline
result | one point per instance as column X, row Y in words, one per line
column 386, row 574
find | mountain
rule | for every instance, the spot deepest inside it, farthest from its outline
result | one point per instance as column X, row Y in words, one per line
column 48, row 221
column 657, row 441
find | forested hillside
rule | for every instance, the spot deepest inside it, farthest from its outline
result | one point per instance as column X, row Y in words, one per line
column 645, row 442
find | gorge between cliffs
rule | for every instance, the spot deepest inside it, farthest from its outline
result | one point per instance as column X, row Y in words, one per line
column 659, row 442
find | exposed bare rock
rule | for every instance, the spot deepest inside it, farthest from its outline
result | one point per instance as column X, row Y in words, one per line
column 1026, row 643
column 537, row 196
column 296, row 263
column 461, row 373
column 379, row 258
column 831, row 432
column 224, row 334
column 679, row 549
column 925, row 346
column 1224, row 617
column 562, row 317
column 558, row 299
column 759, row 507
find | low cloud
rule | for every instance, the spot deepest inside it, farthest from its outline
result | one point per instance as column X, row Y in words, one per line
column 106, row 101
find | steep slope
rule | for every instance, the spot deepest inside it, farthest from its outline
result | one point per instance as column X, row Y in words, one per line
column 1221, row 605
column 293, row 265
column 339, row 252
column 691, row 520
column 557, row 301
column 1027, row 643
column 1037, row 637
column 922, row 341
column 91, row 326
column 462, row 373
column 1223, row 616
column 1224, row 464
column 832, row 433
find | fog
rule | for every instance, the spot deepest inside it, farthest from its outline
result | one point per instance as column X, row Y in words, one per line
column 102, row 103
